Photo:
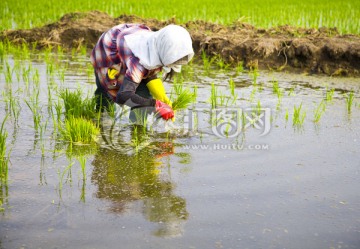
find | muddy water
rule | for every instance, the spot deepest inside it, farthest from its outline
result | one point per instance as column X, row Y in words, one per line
column 260, row 183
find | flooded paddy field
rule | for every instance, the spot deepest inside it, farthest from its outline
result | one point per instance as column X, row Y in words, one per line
column 259, row 160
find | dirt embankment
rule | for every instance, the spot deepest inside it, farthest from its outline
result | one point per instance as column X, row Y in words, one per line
column 321, row 50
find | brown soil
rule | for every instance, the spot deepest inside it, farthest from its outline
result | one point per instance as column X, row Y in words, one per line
column 321, row 50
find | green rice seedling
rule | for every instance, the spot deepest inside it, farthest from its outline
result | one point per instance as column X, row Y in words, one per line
column 25, row 52
column 349, row 98
column 207, row 61
column 329, row 94
column 2, row 51
column 82, row 160
column 223, row 100
column 59, row 110
column 4, row 153
column 50, row 68
column 17, row 70
column 61, row 74
column 258, row 107
column 26, row 75
column 42, row 129
column 12, row 105
column 8, row 73
column 291, row 92
column 275, row 86
column 62, row 175
column 34, row 107
column 232, row 86
column 221, row 63
column 214, row 96
column 183, row 99
column 286, row 115
column 255, row 75
column 76, row 105
column 298, row 116
column 36, row 78
column 178, row 85
column 253, row 93
column 319, row 110
column 79, row 130
column 239, row 68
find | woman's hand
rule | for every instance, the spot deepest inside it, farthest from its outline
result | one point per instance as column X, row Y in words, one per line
column 164, row 110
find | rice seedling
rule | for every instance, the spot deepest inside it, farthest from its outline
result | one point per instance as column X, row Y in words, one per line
column 12, row 103
column 275, row 86
column 77, row 106
column 183, row 100
column 329, row 94
column 349, row 98
column 2, row 51
column 50, row 68
column 26, row 75
column 221, row 63
column 239, row 68
column 298, row 115
column 8, row 73
column 253, row 93
column 61, row 74
column 214, row 96
column 82, row 160
column 4, row 153
column 286, row 115
column 79, row 130
column 62, row 175
column 36, row 78
column 319, row 110
column 223, row 100
column 258, row 108
column 34, row 107
column 184, row 96
column 17, row 70
column 255, row 75
column 42, row 129
column 207, row 61
column 232, row 86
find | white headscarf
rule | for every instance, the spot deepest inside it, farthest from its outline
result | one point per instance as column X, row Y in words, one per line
column 161, row 48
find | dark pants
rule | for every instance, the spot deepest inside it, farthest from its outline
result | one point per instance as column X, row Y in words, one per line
column 137, row 114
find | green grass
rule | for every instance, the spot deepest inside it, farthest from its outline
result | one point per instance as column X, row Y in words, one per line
column 263, row 13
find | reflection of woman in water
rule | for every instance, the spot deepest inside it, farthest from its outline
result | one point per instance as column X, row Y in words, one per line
column 125, row 178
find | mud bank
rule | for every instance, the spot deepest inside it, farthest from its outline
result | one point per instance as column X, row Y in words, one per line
column 284, row 48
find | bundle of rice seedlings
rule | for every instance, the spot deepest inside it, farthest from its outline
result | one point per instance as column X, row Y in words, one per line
column 79, row 130
column 183, row 99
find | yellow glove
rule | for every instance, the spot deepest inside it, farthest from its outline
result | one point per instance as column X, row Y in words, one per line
column 112, row 73
column 157, row 90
